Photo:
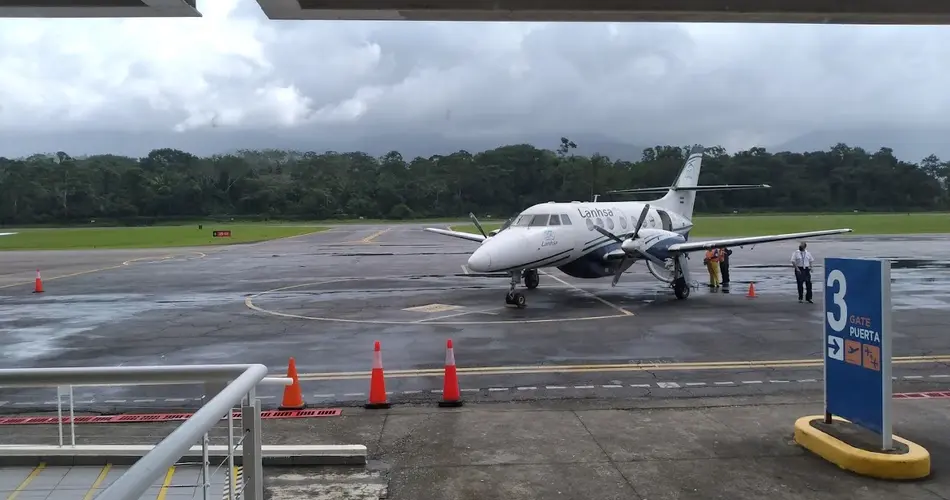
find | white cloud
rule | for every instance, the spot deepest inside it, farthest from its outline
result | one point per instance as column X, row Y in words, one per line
column 736, row 85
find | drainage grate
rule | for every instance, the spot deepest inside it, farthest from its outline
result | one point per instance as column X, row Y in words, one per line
column 166, row 417
column 923, row 395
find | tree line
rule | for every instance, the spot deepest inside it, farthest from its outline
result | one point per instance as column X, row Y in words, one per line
column 169, row 184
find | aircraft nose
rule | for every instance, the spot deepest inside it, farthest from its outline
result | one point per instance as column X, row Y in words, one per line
column 480, row 261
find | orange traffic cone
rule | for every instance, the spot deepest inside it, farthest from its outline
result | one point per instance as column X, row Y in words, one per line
column 751, row 293
column 293, row 396
column 450, row 390
column 377, row 383
column 38, row 287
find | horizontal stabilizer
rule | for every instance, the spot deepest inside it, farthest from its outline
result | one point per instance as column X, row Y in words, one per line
column 718, row 187
column 456, row 234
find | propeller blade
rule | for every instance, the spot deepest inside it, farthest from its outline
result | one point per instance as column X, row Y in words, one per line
column 479, row 226
column 643, row 216
column 619, row 271
column 607, row 234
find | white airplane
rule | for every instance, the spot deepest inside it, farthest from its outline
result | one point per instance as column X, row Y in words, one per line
column 578, row 239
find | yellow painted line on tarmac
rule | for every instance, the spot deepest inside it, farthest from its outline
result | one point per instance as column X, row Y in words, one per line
column 127, row 263
column 166, row 483
column 95, row 485
column 377, row 234
column 619, row 367
column 26, row 482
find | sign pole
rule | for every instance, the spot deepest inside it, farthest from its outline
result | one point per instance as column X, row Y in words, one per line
column 856, row 337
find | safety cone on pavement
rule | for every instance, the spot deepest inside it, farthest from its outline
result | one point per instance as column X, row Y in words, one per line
column 38, row 287
column 751, row 293
column 377, row 383
column 293, row 396
column 450, row 390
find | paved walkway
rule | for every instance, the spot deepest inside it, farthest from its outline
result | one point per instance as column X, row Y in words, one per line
column 72, row 483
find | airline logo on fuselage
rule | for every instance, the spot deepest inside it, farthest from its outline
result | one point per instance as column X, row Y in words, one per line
column 597, row 212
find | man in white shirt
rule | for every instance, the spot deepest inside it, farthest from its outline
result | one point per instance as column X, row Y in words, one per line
column 802, row 262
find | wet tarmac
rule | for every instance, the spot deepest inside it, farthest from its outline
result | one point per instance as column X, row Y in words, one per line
column 325, row 298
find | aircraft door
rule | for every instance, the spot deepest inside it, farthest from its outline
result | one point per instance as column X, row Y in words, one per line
column 665, row 220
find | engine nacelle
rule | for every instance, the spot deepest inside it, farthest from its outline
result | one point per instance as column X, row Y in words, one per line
column 661, row 273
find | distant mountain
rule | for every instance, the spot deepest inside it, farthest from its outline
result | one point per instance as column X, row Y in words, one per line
column 910, row 145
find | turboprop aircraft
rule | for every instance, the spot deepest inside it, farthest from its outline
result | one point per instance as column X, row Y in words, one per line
column 599, row 239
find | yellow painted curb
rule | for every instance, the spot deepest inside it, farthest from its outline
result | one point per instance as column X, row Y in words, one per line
column 914, row 464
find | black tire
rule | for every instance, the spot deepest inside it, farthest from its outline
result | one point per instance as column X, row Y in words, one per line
column 532, row 279
column 519, row 300
column 681, row 289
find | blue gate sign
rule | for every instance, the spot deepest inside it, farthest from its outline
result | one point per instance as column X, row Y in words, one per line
column 857, row 343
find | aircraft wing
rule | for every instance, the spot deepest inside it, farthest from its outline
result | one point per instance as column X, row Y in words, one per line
column 692, row 246
column 456, row 234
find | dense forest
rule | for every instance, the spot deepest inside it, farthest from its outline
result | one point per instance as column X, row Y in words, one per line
column 172, row 185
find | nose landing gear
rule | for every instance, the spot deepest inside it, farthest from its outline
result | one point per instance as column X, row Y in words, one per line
column 531, row 280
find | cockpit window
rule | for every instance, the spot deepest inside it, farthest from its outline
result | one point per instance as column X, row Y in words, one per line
column 539, row 220
column 565, row 220
column 555, row 220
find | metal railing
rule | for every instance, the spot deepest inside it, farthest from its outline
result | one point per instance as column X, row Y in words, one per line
column 239, row 387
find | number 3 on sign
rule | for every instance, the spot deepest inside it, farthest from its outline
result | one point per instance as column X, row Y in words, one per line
column 837, row 276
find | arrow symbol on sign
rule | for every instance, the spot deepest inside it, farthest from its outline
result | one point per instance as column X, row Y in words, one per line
column 834, row 346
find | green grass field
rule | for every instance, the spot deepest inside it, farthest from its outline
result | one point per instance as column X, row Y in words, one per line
column 757, row 225
column 145, row 237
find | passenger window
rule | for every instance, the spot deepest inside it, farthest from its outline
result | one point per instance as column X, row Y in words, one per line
column 590, row 224
column 610, row 223
column 555, row 221
column 599, row 222
column 565, row 220
column 539, row 220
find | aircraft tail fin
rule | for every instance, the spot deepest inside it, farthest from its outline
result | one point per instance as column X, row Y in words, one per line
column 681, row 196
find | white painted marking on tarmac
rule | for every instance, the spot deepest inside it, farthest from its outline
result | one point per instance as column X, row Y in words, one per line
column 693, row 384
column 3, row 403
column 583, row 387
column 668, row 385
column 471, row 390
column 642, row 386
column 611, row 386
column 494, row 389
column 527, row 388
column 349, row 394
column 113, row 401
column 751, row 381
column 266, row 397
column 436, row 391
column 939, row 376
column 724, row 383
column 143, row 400
column 176, row 400
column 324, row 395
column 778, row 381
column 602, row 301
column 411, row 392
column 807, row 380
column 913, row 376
column 465, row 269
column 49, row 402
column 555, row 387
column 88, row 402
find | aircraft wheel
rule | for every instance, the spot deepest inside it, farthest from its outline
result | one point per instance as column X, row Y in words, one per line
column 519, row 300
column 532, row 279
column 681, row 289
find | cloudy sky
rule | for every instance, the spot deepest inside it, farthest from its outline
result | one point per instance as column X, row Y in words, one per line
column 234, row 74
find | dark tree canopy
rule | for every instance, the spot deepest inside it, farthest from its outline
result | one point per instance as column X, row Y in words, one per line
column 169, row 184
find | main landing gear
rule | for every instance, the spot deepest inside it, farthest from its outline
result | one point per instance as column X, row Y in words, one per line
column 680, row 279
column 531, row 281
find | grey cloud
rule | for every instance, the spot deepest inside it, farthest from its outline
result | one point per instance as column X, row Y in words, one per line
column 642, row 84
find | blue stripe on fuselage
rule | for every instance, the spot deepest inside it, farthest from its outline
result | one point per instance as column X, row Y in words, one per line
column 593, row 265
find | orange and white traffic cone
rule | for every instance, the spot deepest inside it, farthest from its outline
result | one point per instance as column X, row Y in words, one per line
column 293, row 396
column 751, row 293
column 377, row 383
column 451, row 396
column 38, row 287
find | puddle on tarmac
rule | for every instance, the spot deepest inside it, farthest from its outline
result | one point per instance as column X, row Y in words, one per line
column 33, row 328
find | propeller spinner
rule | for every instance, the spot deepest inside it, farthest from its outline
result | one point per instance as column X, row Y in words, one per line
column 629, row 245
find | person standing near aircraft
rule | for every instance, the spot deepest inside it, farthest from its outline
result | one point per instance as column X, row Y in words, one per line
column 802, row 261
column 712, row 265
column 724, row 254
